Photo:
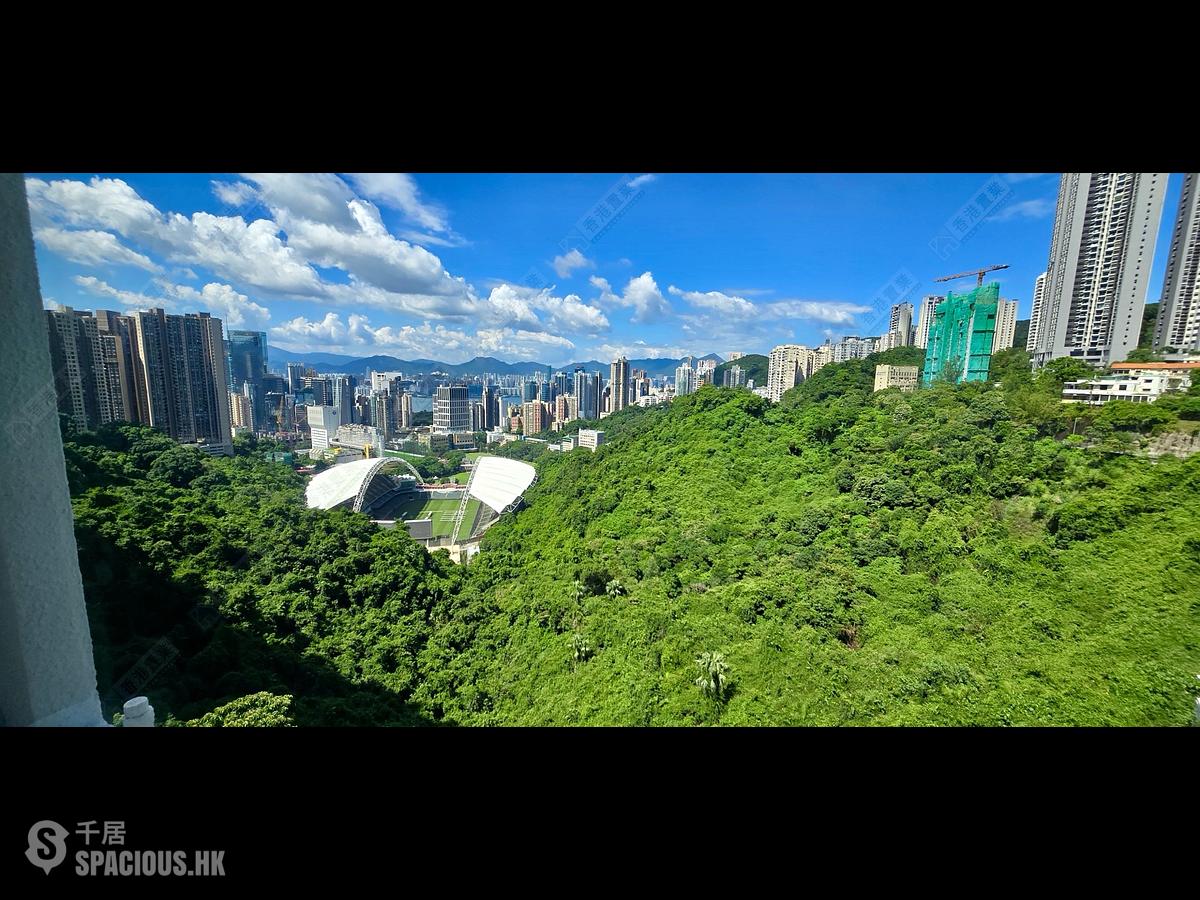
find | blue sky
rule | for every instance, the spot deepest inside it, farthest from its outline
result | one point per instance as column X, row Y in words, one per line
column 554, row 268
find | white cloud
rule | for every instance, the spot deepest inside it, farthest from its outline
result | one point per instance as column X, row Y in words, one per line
column 93, row 248
column 324, row 223
column 130, row 299
column 371, row 254
column 318, row 197
column 329, row 332
column 1026, row 209
column 234, row 193
column 641, row 293
column 834, row 311
column 718, row 302
column 223, row 302
column 509, row 304
column 398, row 190
column 749, row 292
column 566, row 264
column 520, row 343
column 234, row 309
column 642, row 179
column 641, row 350
column 438, row 342
column 251, row 254
column 1018, row 177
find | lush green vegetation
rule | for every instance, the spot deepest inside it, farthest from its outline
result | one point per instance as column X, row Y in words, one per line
column 1149, row 319
column 976, row 554
column 208, row 580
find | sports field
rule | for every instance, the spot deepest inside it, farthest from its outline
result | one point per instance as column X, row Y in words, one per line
column 442, row 512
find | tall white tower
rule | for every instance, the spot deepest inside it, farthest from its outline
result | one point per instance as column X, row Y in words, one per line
column 1178, row 322
column 1105, row 229
column 1039, row 297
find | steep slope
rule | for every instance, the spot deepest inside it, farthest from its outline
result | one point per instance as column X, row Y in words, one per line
column 890, row 559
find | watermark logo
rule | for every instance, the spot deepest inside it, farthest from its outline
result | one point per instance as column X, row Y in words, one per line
column 48, row 848
column 47, row 845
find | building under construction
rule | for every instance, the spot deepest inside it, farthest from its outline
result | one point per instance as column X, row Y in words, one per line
column 961, row 335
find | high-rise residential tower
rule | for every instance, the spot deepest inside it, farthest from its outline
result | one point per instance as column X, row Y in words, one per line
column 619, row 379
column 1039, row 299
column 77, row 359
column 1178, row 323
column 901, row 324
column 925, row 320
column 128, row 382
column 1105, row 228
column 1006, row 325
column 787, row 366
column 685, row 380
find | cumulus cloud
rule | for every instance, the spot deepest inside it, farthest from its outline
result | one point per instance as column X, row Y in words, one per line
column 222, row 301
column 234, row 193
column 398, row 190
column 642, row 350
column 91, row 247
column 718, row 302
column 234, row 309
column 453, row 345
column 249, row 253
column 641, row 293
column 834, row 311
column 306, row 334
column 130, row 299
column 318, row 197
column 510, row 304
column 520, row 343
column 567, row 263
column 318, row 221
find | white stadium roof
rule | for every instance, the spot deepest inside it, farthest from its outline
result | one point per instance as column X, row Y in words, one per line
column 499, row 482
column 340, row 483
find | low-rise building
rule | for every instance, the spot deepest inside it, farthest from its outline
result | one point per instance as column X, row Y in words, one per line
column 434, row 442
column 1181, row 371
column 1136, row 388
column 590, row 438
column 903, row 377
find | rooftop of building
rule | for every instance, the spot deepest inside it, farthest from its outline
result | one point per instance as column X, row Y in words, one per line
column 1156, row 365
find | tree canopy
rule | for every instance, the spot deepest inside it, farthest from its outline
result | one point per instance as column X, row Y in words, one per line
column 963, row 554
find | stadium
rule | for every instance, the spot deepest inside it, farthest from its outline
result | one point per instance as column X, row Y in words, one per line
column 392, row 493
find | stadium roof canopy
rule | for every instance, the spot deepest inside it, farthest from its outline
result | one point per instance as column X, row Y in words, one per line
column 499, row 482
column 350, row 484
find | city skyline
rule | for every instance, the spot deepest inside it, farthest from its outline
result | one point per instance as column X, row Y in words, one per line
column 451, row 267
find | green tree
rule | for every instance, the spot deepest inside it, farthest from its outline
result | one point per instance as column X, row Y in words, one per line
column 713, row 681
column 1010, row 367
column 261, row 710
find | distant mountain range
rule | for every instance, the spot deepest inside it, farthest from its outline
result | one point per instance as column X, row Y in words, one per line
column 480, row 365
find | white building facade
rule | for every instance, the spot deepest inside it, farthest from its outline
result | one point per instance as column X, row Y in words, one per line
column 1105, row 229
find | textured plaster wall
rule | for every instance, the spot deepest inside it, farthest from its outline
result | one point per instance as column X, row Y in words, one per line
column 47, row 676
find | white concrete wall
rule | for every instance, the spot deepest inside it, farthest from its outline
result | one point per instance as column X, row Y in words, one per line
column 47, row 676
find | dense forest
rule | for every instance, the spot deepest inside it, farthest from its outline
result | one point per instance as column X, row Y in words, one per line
column 966, row 554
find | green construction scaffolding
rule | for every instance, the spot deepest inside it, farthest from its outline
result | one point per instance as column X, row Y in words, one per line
column 961, row 336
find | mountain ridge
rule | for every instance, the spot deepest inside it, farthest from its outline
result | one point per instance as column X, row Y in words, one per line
column 480, row 365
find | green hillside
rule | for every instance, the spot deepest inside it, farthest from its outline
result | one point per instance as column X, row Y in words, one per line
column 842, row 557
